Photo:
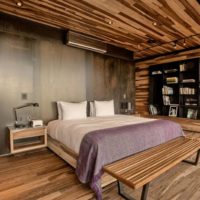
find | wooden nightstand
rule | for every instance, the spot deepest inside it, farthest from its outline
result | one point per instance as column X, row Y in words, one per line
column 25, row 139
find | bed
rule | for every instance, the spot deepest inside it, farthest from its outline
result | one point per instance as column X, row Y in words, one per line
column 88, row 144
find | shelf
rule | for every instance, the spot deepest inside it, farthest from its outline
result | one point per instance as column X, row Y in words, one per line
column 172, row 84
column 188, row 94
column 170, row 71
column 172, row 104
column 180, row 93
column 188, row 83
column 23, row 145
column 191, row 106
column 188, row 71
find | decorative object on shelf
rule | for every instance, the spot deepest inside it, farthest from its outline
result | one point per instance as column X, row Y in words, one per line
column 173, row 110
column 192, row 113
column 23, row 119
column 153, row 110
column 156, row 72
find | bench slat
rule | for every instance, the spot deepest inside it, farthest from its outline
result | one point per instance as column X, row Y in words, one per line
column 141, row 168
column 144, row 154
column 150, row 162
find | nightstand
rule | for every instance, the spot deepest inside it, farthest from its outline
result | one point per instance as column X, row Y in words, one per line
column 25, row 139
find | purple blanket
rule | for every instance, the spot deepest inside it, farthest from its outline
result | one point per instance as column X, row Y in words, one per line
column 102, row 147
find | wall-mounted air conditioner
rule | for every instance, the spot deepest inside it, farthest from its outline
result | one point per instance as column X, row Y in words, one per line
column 85, row 42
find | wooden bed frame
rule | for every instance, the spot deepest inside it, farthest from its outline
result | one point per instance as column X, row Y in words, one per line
column 71, row 158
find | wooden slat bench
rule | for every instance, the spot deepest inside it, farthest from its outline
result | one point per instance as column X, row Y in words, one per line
column 140, row 169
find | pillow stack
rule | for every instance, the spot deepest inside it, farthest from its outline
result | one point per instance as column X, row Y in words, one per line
column 67, row 111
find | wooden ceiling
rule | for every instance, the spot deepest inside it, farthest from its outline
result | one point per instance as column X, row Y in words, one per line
column 124, row 23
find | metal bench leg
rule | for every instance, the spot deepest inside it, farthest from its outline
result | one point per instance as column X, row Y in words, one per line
column 196, row 161
column 128, row 197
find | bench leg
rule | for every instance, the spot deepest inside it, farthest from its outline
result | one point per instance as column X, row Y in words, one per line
column 195, row 162
column 127, row 197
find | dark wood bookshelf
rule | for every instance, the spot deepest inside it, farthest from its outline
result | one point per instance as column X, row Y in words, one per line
column 171, row 77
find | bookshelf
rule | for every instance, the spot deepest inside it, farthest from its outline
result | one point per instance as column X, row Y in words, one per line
column 176, row 83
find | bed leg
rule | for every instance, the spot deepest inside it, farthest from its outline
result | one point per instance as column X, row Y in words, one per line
column 196, row 161
column 128, row 197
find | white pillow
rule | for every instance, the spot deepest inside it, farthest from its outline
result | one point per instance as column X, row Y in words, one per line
column 59, row 110
column 104, row 108
column 73, row 110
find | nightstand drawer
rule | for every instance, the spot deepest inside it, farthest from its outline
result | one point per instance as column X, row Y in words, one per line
column 29, row 133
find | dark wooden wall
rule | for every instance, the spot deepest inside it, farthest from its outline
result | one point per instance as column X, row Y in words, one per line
column 142, row 76
column 110, row 78
column 33, row 60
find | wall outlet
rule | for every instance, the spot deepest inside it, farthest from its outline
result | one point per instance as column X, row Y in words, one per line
column 24, row 96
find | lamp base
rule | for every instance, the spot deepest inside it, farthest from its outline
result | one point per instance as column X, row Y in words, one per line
column 20, row 124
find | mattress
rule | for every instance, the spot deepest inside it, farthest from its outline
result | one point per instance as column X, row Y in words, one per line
column 71, row 132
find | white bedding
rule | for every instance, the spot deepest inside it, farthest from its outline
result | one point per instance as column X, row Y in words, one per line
column 71, row 132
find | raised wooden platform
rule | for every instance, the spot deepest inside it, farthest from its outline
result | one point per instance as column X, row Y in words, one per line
column 187, row 124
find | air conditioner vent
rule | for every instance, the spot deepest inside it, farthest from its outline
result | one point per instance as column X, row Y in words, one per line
column 85, row 42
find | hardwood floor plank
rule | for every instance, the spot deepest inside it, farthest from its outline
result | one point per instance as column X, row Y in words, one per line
column 41, row 175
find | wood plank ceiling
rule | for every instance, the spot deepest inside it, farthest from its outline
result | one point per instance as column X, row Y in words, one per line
column 132, row 24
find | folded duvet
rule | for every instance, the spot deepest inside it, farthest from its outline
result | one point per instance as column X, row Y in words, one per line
column 104, row 146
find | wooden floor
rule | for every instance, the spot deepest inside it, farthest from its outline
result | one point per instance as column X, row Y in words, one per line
column 44, row 176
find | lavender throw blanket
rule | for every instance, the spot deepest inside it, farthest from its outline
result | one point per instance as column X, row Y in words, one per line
column 102, row 147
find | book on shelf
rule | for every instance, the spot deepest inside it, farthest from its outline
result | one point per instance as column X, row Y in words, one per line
column 191, row 80
column 171, row 80
column 170, row 71
column 190, row 102
column 182, row 67
column 186, row 90
column 156, row 72
column 167, row 90
column 166, row 100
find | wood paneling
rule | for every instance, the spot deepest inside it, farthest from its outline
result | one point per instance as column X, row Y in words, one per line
column 110, row 78
column 123, row 23
column 142, row 76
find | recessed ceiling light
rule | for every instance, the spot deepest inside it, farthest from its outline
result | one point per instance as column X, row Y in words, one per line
column 110, row 22
column 174, row 45
column 19, row 4
column 155, row 23
column 184, row 43
column 151, row 41
column 139, row 46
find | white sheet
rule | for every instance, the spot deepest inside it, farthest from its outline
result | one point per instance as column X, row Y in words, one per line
column 71, row 132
